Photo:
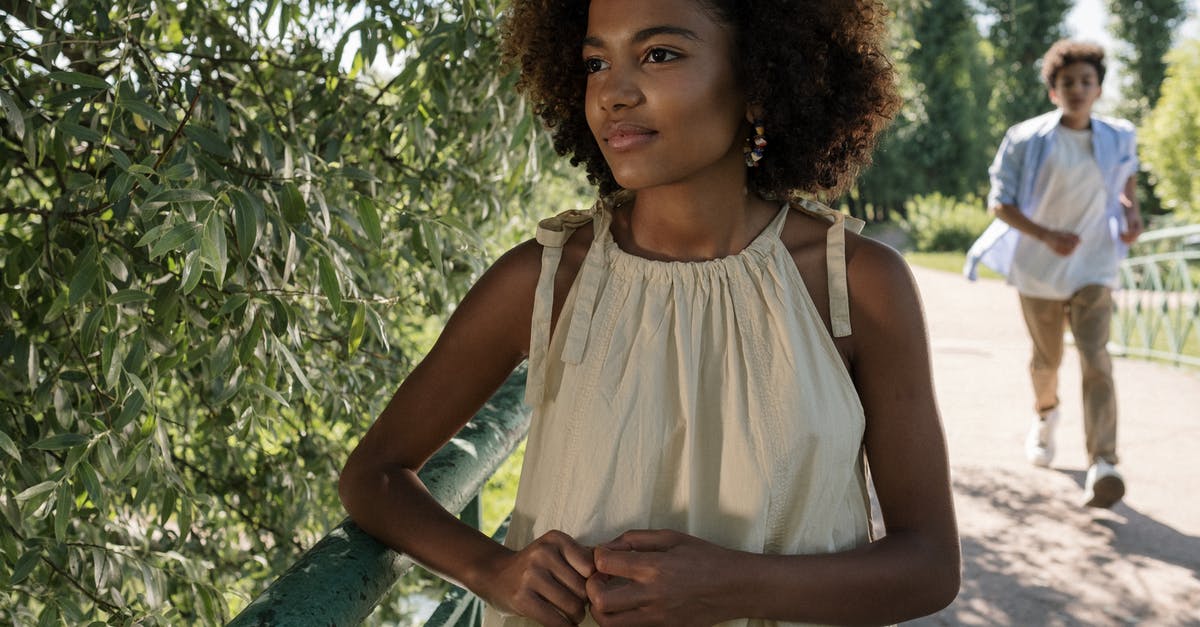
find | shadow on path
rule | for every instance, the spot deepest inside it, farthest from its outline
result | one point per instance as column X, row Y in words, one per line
column 1136, row 534
column 1033, row 556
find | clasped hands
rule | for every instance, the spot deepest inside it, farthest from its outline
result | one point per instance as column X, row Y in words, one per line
column 643, row 577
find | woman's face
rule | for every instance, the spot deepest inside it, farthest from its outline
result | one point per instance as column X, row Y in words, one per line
column 662, row 98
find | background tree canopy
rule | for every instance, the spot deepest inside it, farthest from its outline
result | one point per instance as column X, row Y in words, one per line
column 229, row 229
column 221, row 249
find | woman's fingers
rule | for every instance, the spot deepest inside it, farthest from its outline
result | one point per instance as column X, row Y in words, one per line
column 569, row 578
column 624, row 563
column 546, row 613
column 578, row 556
column 566, row 601
column 610, row 595
column 644, row 540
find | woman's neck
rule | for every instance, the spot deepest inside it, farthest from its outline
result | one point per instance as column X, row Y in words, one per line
column 696, row 221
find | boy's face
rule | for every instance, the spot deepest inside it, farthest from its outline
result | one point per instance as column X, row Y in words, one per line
column 1076, row 88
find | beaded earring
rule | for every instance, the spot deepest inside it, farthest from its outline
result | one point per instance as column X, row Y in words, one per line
column 756, row 145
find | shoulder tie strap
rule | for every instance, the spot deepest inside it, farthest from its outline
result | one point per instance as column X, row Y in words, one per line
column 835, row 262
column 552, row 234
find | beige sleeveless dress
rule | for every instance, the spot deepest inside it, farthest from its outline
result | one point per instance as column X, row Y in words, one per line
column 706, row 397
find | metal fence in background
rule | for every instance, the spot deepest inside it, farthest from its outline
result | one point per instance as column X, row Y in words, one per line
column 1157, row 310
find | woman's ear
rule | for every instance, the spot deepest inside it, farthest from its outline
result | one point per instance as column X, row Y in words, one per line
column 754, row 111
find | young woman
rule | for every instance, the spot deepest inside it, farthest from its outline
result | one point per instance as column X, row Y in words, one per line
column 710, row 356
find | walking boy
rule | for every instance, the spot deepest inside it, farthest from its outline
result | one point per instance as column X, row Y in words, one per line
column 1063, row 193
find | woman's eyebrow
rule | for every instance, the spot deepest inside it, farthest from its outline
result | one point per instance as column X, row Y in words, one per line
column 646, row 33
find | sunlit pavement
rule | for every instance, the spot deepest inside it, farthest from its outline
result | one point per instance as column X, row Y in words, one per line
column 1032, row 555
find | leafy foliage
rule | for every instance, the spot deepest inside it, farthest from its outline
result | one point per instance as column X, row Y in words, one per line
column 1147, row 25
column 1022, row 32
column 940, row 223
column 941, row 140
column 220, row 246
column 1170, row 139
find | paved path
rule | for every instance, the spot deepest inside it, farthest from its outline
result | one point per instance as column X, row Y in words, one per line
column 1032, row 556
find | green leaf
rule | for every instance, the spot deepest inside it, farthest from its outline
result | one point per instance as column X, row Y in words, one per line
column 79, row 78
column 213, row 249
column 292, row 204
column 91, row 483
column 80, row 132
column 124, row 297
column 131, row 409
column 192, row 272
column 121, row 159
column 63, row 508
column 116, row 266
column 91, row 326
column 378, row 328
column 357, row 328
column 245, row 221
column 85, row 277
column 60, row 441
column 433, row 243
column 233, row 303
column 181, row 195
column 74, row 376
column 13, row 113
column 61, row 299
column 25, row 565
column 272, row 394
column 179, row 172
column 7, row 445
column 208, row 140
column 288, row 357
column 174, row 239
column 34, row 492
column 369, row 218
column 329, row 282
column 151, row 114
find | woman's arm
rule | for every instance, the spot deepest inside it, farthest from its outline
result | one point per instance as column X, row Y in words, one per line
column 485, row 339
column 911, row 572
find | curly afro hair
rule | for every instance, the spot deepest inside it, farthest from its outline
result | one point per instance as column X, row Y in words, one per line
column 818, row 69
column 1064, row 52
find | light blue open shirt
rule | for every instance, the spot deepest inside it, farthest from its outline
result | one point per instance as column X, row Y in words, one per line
column 1015, row 176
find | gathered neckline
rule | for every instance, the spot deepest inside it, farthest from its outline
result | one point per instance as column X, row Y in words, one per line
column 758, row 248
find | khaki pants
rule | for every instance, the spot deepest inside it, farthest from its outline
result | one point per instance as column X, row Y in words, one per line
column 1089, row 313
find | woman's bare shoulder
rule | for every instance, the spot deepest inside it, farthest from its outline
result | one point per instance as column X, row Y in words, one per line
column 520, row 267
column 508, row 288
column 876, row 273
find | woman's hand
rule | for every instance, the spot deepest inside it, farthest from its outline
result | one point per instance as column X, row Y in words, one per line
column 657, row 577
column 545, row 581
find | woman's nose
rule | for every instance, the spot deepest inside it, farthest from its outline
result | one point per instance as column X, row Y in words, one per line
column 620, row 89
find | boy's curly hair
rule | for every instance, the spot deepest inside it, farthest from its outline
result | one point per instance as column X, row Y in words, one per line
column 1064, row 52
column 817, row 68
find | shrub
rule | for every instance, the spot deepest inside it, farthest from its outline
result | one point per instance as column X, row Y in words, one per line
column 938, row 223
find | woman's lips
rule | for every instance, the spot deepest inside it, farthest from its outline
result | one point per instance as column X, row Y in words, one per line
column 629, row 138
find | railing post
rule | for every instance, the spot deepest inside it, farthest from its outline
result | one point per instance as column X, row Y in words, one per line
column 340, row 580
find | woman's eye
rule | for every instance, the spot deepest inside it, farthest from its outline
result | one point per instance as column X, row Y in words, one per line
column 594, row 65
column 660, row 55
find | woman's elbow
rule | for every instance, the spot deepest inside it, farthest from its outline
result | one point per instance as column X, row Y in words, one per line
column 945, row 582
column 350, row 484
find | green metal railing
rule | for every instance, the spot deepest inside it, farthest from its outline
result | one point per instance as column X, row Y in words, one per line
column 1157, row 310
column 341, row 579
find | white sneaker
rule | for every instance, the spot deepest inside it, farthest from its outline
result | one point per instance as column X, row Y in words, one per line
column 1039, row 444
column 1104, row 485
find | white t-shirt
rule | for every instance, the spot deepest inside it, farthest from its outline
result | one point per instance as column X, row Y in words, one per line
column 1074, row 201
